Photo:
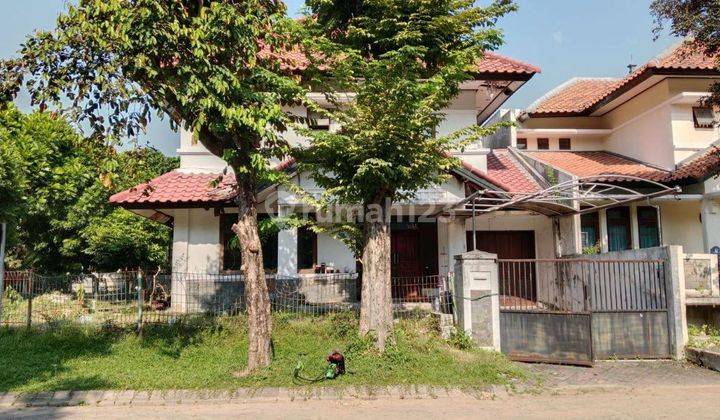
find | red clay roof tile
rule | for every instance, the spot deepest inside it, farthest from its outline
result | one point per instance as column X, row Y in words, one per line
column 581, row 95
column 699, row 168
column 503, row 166
column 596, row 164
column 175, row 188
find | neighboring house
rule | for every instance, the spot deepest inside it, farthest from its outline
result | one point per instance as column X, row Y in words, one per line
column 530, row 187
column 649, row 124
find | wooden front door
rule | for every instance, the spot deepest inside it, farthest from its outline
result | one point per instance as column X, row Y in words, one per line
column 516, row 279
column 413, row 259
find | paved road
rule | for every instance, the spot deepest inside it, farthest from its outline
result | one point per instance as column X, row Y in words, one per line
column 697, row 402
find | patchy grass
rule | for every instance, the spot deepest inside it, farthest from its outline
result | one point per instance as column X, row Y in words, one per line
column 704, row 337
column 204, row 353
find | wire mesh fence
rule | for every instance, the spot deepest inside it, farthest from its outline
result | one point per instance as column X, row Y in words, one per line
column 135, row 297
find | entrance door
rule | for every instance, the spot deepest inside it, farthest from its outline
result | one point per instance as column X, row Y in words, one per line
column 516, row 280
column 414, row 259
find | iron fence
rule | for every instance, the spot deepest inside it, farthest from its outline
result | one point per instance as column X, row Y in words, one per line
column 134, row 297
column 582, row 285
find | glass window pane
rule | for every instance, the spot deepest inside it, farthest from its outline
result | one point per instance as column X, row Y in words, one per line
column 618, row 223
column 648, row 229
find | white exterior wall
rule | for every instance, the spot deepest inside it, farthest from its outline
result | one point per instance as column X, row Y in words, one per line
column 451, row 242
column 502, row 221
column 196, row 242
column 333, row 252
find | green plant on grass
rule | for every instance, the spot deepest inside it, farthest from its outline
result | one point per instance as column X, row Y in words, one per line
column 204, row 352
column 703, row 336
column 460, row 339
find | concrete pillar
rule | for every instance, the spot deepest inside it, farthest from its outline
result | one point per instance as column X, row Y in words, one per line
column 602, row 220
column 634, row 227
column 677, row 315
column 287, row 248
column 710, row 210
column 476, row 288
column 181, row 240
column 451, row 242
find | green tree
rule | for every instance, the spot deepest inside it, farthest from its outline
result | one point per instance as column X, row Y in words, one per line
column 404, row 60
column 60, row 197
column 12, row 176
column 699, row 19
column 210, row 65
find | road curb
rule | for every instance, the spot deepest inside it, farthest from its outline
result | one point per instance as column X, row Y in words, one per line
column 241, row 395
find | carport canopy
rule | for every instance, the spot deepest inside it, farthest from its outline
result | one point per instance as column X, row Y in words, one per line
column 576, row 196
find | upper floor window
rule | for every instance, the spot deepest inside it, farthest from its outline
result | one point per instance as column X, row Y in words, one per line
column 522, row 144
column 543, row 144
column 564, row 144
column 703, row 117
column 318, row 121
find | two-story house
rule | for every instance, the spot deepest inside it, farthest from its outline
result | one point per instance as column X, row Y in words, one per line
column 202, row 215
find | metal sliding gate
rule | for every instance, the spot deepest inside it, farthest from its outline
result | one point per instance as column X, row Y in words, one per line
column 576, row 311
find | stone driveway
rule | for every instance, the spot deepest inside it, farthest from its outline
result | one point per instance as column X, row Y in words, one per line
column 626, row 373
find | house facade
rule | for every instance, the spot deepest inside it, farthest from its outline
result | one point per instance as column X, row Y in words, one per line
column 645, row 134
column 201, row 215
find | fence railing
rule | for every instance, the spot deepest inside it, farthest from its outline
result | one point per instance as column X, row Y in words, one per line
column 134, row 297
column 582, row 285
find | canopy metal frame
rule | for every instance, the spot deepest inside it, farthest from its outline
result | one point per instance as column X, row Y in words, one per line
column 573, row 197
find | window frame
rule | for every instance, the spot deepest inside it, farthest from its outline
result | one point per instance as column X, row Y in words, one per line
column 523, row 141
column 545, row 142
column 641, row 221
column 626, row 223
column 697, row 123
column 312, row 122
column 226, row 234
column 565, row 142
column 591, row 220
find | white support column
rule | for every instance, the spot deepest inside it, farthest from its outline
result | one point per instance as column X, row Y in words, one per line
column 180, row 251
column 287, row 248
column 602, row 220
column 710, row 210
column 451, row 242
column 634, row 227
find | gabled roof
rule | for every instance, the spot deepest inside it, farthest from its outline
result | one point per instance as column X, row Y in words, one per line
column 178, row 189
column 582, row 96
column 491, row 64
column 495, row 63
column 601, row 165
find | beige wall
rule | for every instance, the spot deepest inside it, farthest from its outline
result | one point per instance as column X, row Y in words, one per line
column 681, row 225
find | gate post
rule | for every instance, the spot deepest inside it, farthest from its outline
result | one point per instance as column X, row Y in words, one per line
column 675, row 294
column 477, row 300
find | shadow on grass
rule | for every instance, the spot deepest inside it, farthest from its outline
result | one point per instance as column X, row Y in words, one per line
column 39, row 356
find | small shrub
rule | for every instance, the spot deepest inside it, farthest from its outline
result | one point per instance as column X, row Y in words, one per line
column 460, row 339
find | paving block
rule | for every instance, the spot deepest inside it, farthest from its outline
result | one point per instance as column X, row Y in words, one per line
column 123, row 397
column 7, row 398
column 60, row 398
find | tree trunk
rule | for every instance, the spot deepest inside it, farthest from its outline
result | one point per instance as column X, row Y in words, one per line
column 257, row 298
column 376, row 306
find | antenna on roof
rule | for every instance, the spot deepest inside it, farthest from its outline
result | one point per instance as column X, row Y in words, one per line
column 631, row 66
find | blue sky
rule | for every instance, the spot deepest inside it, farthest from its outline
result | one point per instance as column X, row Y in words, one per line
column 565, row 38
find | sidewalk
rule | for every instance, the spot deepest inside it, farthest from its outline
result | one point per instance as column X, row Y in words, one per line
column 621, row 377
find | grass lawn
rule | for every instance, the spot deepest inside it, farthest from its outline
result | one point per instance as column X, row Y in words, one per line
column 206, row 353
